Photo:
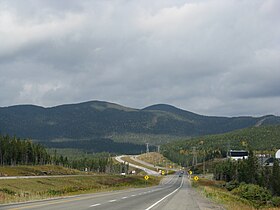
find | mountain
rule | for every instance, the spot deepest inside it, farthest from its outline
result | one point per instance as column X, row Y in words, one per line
column 202, row 125
column 102, row 120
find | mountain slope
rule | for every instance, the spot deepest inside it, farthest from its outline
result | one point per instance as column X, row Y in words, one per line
column 212, row 125
column 262, row 138
column 96, row 119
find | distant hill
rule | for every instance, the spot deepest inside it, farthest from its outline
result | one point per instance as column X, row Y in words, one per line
column 262, row 138
column 102, row 120
column 257, row 138
column 197, row 125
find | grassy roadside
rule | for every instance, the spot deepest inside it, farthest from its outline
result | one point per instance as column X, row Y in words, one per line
column 18, row 190
column 128, row 159
column 153, row 158
column 156, row 158
column 37, row 170
column 213, row 190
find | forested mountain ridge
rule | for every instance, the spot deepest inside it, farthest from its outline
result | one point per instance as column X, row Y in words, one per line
column 96, row 119
column 262, row 138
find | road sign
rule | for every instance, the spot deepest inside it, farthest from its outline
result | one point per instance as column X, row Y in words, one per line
column 190, row 172
column 162, row 172
column 146, row 177
column 196, row 178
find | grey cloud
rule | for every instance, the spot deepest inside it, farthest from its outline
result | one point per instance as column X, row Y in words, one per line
column 212, row 57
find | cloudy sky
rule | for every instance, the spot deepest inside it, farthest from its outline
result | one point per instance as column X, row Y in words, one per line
column 212, row 57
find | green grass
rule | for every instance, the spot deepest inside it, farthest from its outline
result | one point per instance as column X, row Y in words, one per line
column 17, row 190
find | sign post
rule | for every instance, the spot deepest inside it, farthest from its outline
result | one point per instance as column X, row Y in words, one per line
column 190, row 174
column 146, row 179
column 196, row 178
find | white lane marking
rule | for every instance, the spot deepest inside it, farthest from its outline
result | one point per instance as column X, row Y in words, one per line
column 124, row 197
column 150, row 207
column 98, row 204
column 132, row 195
column 111, row 201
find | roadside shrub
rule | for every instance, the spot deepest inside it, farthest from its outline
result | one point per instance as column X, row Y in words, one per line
column 196, row 170
column 254, row 193
column 276, row 201
column 70, row 189
column 232, row 185
column 7, row 191
column 54, row 192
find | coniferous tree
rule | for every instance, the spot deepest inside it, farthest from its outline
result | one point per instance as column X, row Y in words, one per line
column 252, row 168
column 275, row 177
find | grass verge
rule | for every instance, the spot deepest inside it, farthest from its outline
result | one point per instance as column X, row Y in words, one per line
column 213, row 190
column 17, row 190
column 37, row 170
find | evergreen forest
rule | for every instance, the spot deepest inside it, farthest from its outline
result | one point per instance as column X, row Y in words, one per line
column 15, row 151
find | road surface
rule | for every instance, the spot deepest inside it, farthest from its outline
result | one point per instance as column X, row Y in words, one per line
column 174, row 192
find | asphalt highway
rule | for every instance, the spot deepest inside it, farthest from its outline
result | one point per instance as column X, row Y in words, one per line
column 174, row 192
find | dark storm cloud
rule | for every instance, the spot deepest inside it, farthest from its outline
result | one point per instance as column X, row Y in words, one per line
column 211, row 56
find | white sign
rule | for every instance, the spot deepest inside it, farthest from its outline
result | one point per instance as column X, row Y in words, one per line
column 277, row 155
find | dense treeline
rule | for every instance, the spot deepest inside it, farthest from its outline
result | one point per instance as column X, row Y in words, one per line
column 184, row 157
column 249, row 171
column 14, row 151
column 98, row 145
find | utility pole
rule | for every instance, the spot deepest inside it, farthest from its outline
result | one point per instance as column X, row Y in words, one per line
column 204, row 154
column 204, row 162
column 194, row 161
column 158, row 148
column 147, row 147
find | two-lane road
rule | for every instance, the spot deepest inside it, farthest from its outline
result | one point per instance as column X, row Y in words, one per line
column 174, row 192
